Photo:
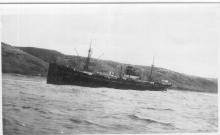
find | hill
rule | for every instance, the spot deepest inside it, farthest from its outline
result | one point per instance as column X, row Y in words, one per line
column 34, row 61
column 17, row 61
column 44, row 54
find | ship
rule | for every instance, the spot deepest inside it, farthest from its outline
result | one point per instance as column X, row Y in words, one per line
column 65, row 75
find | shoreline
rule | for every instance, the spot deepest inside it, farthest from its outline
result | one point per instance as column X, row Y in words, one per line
column 172, row 88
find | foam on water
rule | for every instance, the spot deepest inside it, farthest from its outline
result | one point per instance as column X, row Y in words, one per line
column 30, row 106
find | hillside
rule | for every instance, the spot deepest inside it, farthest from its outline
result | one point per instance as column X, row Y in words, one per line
column 34, row 61
column 44, row 54
column 17, row 61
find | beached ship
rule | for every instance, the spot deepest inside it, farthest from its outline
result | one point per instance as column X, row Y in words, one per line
column 64, row 75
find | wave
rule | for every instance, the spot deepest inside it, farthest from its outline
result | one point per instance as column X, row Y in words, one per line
column 150, row 121
column 76, row 121
column 12, row 121
column 35, row 109
column 85, row 122
column 159, row 109
column 8, row 123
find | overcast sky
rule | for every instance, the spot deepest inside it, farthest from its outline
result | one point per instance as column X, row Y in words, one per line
column 182, row 37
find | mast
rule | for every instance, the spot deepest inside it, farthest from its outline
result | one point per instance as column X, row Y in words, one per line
column 86, row 67
column 151, row 71
column 120, row 75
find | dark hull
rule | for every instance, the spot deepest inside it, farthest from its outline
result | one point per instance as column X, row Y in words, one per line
column 62, row 75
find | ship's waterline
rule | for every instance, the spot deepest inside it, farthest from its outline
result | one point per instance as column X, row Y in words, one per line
column 31, row 106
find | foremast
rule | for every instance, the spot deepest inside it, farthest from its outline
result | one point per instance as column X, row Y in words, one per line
column 151, row 71
column 86, row 67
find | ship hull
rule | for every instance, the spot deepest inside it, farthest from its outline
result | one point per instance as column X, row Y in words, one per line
column 62, row 75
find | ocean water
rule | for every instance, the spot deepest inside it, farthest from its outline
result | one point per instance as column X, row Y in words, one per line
column 31, row 106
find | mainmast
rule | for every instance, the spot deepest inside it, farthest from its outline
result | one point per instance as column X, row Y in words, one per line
column 151, row 71
column 86, row 67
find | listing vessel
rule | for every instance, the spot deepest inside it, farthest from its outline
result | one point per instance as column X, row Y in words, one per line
column 65, row 75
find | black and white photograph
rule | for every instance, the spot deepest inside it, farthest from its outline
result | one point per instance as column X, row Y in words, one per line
column 109, row 68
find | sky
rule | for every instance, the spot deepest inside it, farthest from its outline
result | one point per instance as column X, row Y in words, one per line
column 181, row 37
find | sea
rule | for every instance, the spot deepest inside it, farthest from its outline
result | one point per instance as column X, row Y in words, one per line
column 33, row 107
